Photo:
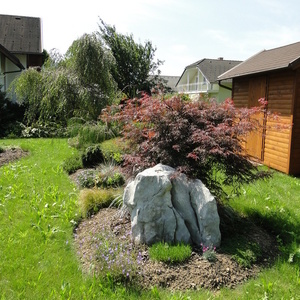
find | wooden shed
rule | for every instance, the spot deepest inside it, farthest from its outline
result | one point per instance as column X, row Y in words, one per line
column 274, row 75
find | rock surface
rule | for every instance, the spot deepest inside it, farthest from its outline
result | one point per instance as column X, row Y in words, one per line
column 167, row 206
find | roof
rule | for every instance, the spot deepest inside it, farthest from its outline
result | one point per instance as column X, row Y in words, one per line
column 267, row 60
column 20, row 34
column 171, row 81
column 212, row 68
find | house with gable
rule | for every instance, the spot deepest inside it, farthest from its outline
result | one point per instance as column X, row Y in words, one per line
column 275, row 76
column 20, row 46
column 201, row 79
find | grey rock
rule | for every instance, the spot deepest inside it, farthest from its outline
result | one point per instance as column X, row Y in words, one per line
column 168, row 207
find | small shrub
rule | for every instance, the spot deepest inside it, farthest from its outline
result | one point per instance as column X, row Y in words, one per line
column 109, row 176
column 2, row 149
column 11, row 114
column 209, row 253
column 198, row 138
column 92, row 156
column 113, row 150
column 87, row 178
column 118, row 261
column 170, row 253
column 72, row 164
column 91, row 200
column 46, row 130
column 248, row 255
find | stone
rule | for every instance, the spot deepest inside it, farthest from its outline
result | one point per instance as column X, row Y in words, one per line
column 169, row 207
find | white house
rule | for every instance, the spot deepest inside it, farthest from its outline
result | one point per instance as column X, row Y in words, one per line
column 20, row 46
column 201, row 79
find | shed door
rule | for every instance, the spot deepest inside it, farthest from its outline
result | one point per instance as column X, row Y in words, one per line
column 255, row 142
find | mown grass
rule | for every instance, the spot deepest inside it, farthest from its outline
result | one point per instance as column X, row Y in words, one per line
column 39, row 209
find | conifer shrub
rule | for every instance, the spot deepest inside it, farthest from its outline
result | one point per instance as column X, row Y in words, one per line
column 202, row 139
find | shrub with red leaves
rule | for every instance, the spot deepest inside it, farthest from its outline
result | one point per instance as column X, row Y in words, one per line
column 201, row 139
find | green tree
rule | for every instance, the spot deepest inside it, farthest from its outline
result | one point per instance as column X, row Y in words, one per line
column 92, row 62
column 77, row 84
column 28, row 88
column 134, row 61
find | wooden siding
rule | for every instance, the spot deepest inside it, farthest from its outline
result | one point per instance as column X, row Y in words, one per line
column 283, row 95
column 295, row 149
column 240, row 92
column 278, row 131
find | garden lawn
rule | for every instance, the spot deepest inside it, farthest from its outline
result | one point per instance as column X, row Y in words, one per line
column 38, row 212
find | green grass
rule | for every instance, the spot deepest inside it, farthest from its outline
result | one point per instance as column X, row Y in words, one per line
column 39, row 207
column 91, row 200
column 170, row 253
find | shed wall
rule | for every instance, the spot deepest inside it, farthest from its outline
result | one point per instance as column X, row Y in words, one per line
column 295, row 149
column 278, row 131
column 280, row 92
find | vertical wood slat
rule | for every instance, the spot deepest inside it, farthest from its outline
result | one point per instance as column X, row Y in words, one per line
column 282, row 141
column 295, row 140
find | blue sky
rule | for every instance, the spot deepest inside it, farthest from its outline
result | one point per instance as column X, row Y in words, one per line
column 183, row 31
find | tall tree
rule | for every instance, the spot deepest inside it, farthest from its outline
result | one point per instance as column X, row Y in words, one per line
column 92, row 63
column 134, row 61
column 77, row 84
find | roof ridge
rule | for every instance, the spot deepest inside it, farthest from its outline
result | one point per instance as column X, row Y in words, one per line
column 284, row 46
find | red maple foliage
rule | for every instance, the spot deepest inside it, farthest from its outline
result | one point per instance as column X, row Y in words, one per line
column 202, row 139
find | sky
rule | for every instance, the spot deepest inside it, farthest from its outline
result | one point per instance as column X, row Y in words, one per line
column 183, row 31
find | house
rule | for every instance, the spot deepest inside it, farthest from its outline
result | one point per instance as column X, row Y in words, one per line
column 168, row 82
column 201, row 78
column 20, row 46
column 274, row 75
column 171, row 82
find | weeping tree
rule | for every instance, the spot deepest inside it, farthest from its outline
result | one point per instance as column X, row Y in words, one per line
column 134, row 61
column 92, row 62
column 78, row 84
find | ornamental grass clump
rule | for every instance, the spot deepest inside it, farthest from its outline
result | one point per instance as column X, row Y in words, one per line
column 91, row 200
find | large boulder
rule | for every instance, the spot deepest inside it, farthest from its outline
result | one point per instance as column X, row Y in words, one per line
column 167, row 206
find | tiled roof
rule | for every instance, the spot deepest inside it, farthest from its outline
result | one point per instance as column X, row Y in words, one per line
column 20, row 34
column 212, row 68
column 266, row 60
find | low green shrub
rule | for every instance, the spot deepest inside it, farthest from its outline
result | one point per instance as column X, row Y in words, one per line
column 209, row 253
column 92, row 156
column 50, row 129
column 170, row 253
column 109, row 176
column 87, row 178
column 11, row 114
column 115, row 261
column 113, row 150
column 2, row 149
column 72, row 164
column 247, row 255
column 91, row 200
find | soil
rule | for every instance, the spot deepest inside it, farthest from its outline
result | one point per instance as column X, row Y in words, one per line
column 11, row 154
column 195, row 273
